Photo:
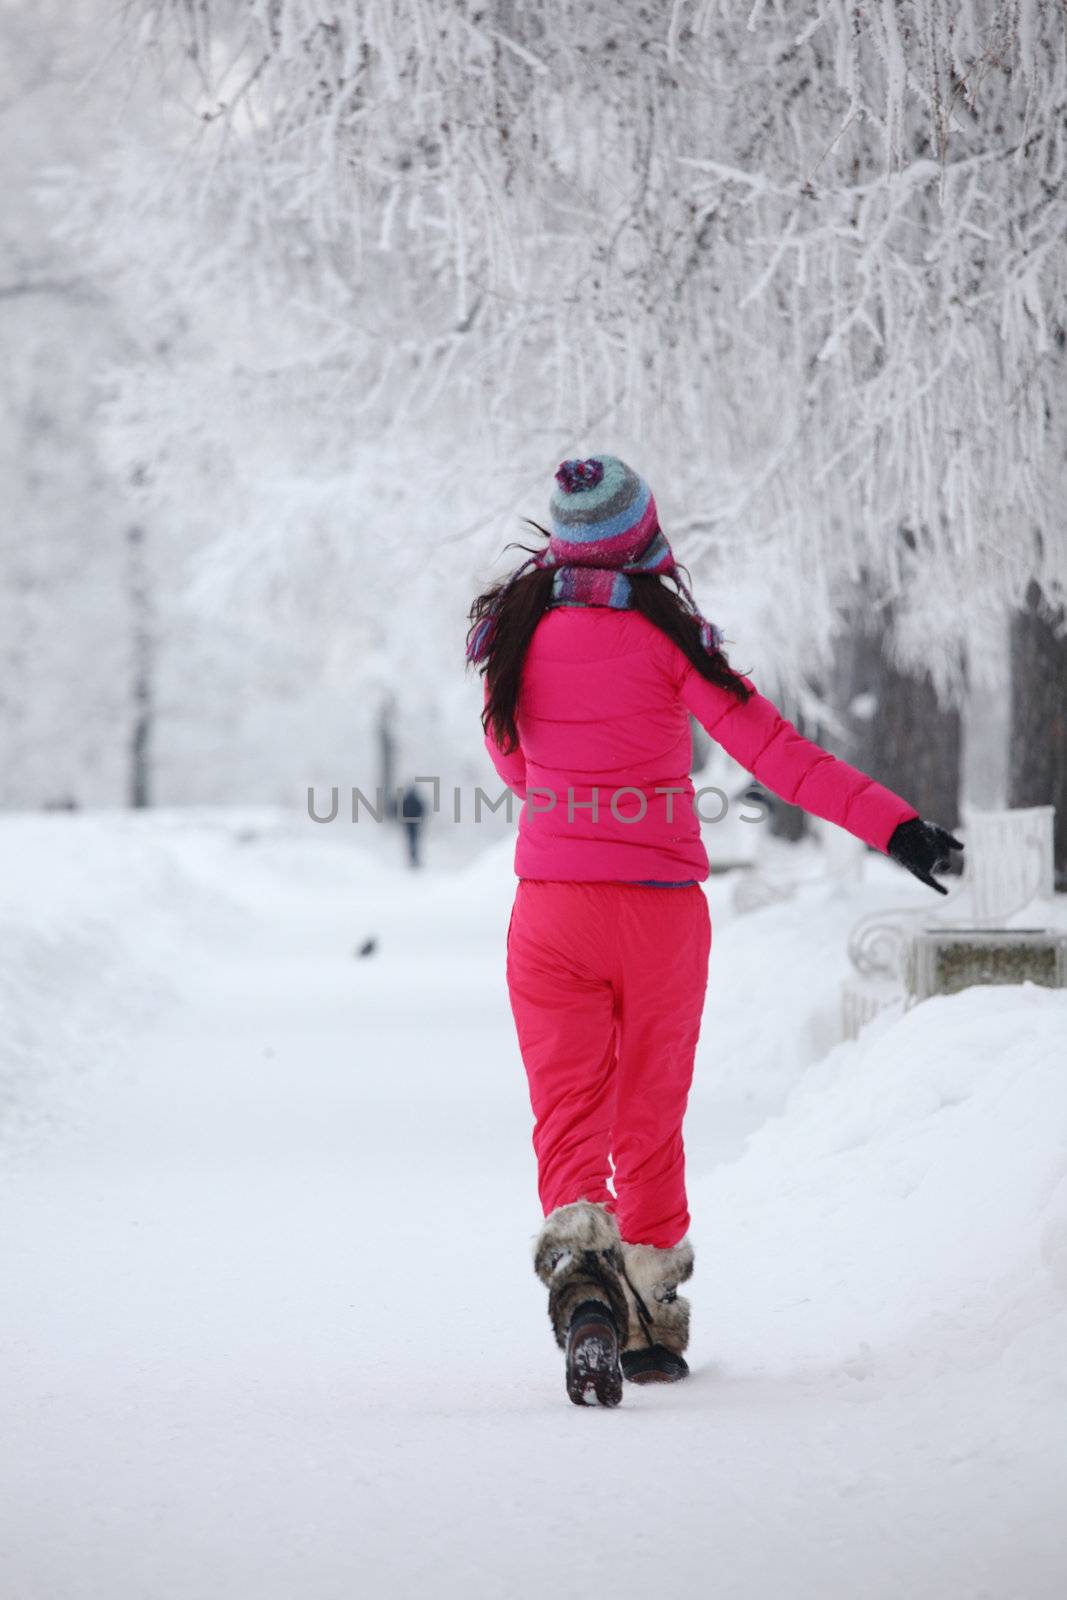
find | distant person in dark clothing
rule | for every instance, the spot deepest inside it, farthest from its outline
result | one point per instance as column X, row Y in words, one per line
column 412, row 811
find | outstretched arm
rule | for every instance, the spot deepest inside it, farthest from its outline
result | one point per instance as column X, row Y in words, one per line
column 511, row 766
column 756, row 734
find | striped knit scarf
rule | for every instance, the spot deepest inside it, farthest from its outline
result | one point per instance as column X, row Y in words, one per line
column 599, row 586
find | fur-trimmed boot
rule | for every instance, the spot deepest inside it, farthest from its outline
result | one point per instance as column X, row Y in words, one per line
column 659, row 1315
column 577, row 1255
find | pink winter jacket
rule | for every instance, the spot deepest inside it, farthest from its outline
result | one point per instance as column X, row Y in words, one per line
column 603, row 730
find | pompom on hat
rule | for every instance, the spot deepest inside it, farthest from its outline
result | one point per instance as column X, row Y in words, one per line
column 604, row 527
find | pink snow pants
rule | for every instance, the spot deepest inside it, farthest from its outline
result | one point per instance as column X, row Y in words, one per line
column 607, row 984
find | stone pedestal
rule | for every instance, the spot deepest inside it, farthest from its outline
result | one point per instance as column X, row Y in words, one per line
column 946, row 960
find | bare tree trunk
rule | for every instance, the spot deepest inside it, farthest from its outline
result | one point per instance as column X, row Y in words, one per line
column 1037, row 771
column 387, row 752
column 143, row 661
column 916, row 746
column 898, row 732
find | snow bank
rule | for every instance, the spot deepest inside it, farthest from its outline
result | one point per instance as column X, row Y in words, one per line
column 272, row 1143
column 910, row 1204
column 100, row 913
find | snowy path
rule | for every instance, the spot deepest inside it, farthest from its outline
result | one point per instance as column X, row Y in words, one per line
column 270, row 1330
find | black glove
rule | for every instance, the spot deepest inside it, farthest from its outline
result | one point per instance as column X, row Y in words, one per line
column 923, row 848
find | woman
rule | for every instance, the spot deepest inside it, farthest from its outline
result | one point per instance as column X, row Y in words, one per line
column 592, row 666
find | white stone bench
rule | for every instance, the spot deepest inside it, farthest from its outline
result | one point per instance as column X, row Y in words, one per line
column 1008, row 870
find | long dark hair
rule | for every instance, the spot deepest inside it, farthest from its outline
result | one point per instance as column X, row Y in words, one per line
column 518, row 606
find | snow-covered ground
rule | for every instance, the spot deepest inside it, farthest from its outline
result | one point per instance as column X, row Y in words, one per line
column 269, row 1327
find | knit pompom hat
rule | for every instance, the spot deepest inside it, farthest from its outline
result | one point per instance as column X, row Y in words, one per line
column 605, row 530
column 602, row 514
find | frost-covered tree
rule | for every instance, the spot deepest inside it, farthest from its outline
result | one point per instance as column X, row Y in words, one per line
column 810, row 255
column 805, row 262
column 63, row 645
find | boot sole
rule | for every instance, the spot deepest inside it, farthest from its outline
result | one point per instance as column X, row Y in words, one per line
column 645, row 1368
column 656, row 1377
column 594, row 1377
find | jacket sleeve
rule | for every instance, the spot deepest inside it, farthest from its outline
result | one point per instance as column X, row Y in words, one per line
column 756, row 734
column 510, row 767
